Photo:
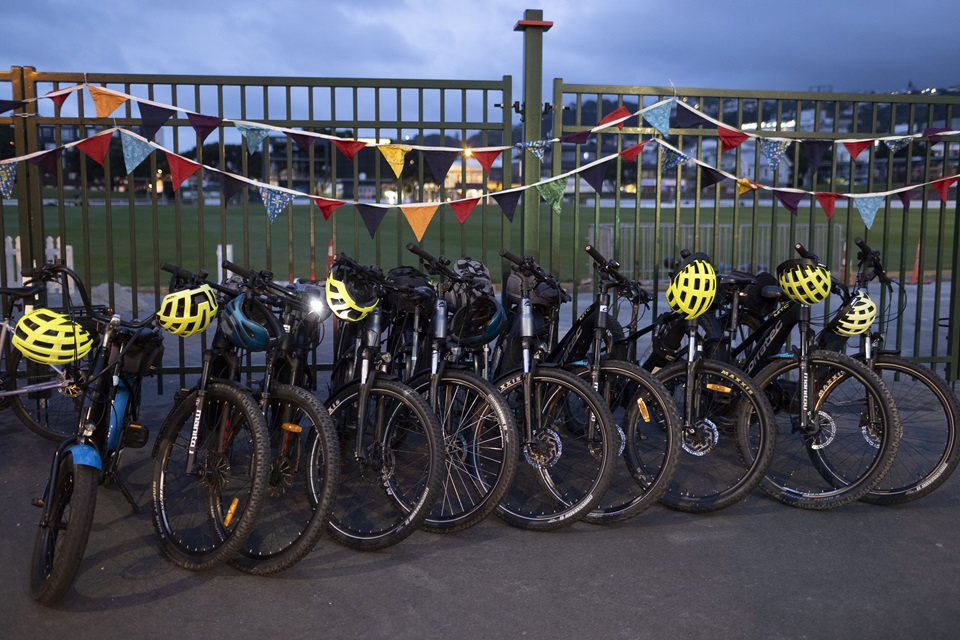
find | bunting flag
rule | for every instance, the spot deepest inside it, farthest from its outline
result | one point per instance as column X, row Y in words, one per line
column 349, row 148
column 105, row 101
column 815, row 150
column 905, row 200
column 856, row 147
column 730, row 138
column 394, row 154
column 790, row 199
column 57, row 97
column 229, row 186
column 419, row 217
column 552, row 192
column 49, row 161
column 745, row 186
column 933, row 134
column 96, row 147
column 630, row 153
column 508, row 202
column 371, row 215
column 439, row 163
column 8, row 174
column 153, row 117
column 487, row 158
column 594, row 175
column 254, row 135
column 10, row 105
column 867, row 206
column 536, row 147
column 180, row 169
column 135, row 151
column 689, row 117
column 327, row 207
column 658, row 117
column 828, row 202
column 578, row 137
column 710, row 176
column 896, row 144
column 463, row 208
column 670, row 159
column 203, row 125
column 618, row 115
column 303, row 140
column 275, row 201
column 941, row 186
column 773, row 149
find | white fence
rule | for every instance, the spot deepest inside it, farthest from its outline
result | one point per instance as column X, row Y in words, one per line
column 14, row 261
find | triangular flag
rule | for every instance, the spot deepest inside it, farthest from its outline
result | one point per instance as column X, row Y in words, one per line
column 731, row 138
column 135, row 151
column 48, row 161
column 203, row 125
column 439, row 162
column 275, row 201
column 463, row 208
column 254, row 135
column 670, row 159
column 576, row 138
column 630, row 153
column 487, row 158
column 303, row 140
column 620, row 113
column 229, row 185
column 659, row 117
column 856, row 147
column 790, row 199
column 153, row 117
column 106, row 102
column 933, row 132
column 905, row 199
column 594, row 175
column 419, row 217
column 371, row 215
column 943, row 184
column 180, row 169
column 688, row 117
column 815, row 150
column 508, row 203
column 745, row 186
column 773, row 150
column 867, row 206
column 897, row 144
column 327, row 207
column 553, row 192
column 96, row 147
column 349, row 148
column 58, row 97
column 536, row 147
column 394, row 154
column 8, row 173
column 710, row 176
column 828, row 202
column 9, row 105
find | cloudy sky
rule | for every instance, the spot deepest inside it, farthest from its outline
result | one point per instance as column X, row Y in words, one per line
column 849, row 45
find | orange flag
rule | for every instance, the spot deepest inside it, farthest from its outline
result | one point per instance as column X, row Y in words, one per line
column 744, row 185
column 419, row 217
column 105, row 101
column 394, row 154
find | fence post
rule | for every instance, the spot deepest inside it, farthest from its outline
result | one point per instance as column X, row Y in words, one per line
column 533, row 27
column 29, row 178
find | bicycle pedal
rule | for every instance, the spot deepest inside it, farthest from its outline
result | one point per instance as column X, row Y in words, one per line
column 136, row 436
column 37, row 502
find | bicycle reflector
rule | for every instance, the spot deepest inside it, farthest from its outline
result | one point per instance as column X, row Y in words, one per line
column 804, row 281
column 693, row 287
column 188, row 311
column 856, row 316
column 49, row 337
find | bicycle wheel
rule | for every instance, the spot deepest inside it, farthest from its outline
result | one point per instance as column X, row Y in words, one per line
column 387, row 494
column 851, row 441
column 59, row 546
column 929, row 447
column 304, row 474
column 569, row 463
column 203, row 515
column 727, row 436
column 481, row 448
column 647, row 425
column 52, row 413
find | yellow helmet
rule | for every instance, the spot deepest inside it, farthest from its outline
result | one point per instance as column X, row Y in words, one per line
column 856, row 317
column 693, row 287
column 349, row 295
column 50, row 337
column 804, row 281
column 188, row 311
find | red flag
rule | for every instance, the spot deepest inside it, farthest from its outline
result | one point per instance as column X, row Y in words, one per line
column 828, row 202
column 856, row 147
column 487, row 158
column 96, row 146
column 943, row 184
column 463, row 208
column 731, row 138
column 618, row 114
column 630, row 153
column 57, row 97
column 180, row 169
column 327, row 207
column 349, row 147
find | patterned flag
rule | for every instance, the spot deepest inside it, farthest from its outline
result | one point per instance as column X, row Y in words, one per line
column 135, row 151
column 8, row 174
column 867, row 206
column 553, row 192
column 670, row 159
column 896, row 144
column 536, row 147
column 253, row 135
column 659, row 117
column 275, row 201
column 773, row 150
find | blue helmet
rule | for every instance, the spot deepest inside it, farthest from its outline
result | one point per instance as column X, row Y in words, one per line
column 247, row 324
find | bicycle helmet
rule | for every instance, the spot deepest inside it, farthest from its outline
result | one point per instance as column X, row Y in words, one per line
column 349, row 295
column 188, row 311
column 693, row 286
column 478, row 322
column 49, row 337
column 804, row 281
column 856, row 316
column 248, row 324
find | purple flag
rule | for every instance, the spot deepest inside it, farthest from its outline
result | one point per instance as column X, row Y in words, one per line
column 48, row 161
column 439, row 162
column 815, row 149
column 303, row 140
column 594, row 175
column 507, row 202
column 905, row 199
column 371, row 215
column 576, row 138
column 229, row 186
column 203, row 125
column 710, row 176
column 932, row 134
column 789, row 199
column 689, row 118
column 153, row 117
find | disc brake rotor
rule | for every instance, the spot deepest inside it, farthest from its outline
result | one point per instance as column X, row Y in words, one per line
column 545, row 450
column 699, row 439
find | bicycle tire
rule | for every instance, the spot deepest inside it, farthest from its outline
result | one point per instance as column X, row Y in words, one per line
column 565, row 471
column 203, row 517
column 845, row 457
column 58, row 548
column 929, row 448
column 481, row 448
column 385, row 497
column 51, row 413
column 729, row 443
column 304, row 474
column 648, row 425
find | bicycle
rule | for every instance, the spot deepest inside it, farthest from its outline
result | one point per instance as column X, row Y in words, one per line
column 110, row 401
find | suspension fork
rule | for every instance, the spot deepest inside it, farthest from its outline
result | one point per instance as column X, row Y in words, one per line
column 200, row 403
column 689, row 392
column 368, row 375
column 527, row 338
column 437, row 363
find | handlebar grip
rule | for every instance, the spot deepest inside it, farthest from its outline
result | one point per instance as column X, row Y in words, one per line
column 685, row 253
column 506, row 255
column 419, row 251
column 802, row 251
column 596, row 255
column 863, row 245
column 237, row 269
column 30, row 272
